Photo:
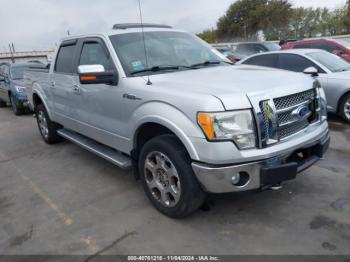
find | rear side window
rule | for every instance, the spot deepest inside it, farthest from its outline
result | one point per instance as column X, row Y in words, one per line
column 329, row 47
column 263, row 60
column 294, row 63
column 65, row 59
column 94, row 54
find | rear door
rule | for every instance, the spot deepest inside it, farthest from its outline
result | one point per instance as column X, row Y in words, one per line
column 65, row 98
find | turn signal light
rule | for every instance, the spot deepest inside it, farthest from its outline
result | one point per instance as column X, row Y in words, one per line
column 88, row 78
column 205, row 121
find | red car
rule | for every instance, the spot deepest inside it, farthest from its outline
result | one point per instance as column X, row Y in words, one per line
column 339, row 47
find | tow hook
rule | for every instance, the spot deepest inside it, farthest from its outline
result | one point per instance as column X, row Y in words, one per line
column 276, row 187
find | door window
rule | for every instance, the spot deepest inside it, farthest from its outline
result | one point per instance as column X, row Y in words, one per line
column 263, row 60
column 93, row 53
column 65, row 59
column 294, row 63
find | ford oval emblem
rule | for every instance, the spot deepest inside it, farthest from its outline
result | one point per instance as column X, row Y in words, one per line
column 302, row 112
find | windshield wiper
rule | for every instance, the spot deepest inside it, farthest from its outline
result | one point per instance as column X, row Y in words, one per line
column 206, row 63
column 155, row 69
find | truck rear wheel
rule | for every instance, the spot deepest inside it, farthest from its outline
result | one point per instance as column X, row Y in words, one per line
column 167, row 177
column 47, row 128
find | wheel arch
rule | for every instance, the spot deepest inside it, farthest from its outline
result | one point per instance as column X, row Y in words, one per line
column 347, row 92
column 151, row 129
column 37, row 99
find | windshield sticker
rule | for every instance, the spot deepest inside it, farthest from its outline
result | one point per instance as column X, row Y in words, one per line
column 137, row 66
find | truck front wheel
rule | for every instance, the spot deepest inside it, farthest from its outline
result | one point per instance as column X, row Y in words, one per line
column 47, row 128
column 167, row 177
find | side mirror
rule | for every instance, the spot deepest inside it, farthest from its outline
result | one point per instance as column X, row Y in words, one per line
column 96, row 74
column 2, row 78
column 311, row 71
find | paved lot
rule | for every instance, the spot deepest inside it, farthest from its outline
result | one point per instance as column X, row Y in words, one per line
column 63, row 200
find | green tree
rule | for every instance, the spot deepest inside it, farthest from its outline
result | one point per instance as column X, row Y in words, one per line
column 208, row 36
column 245, row 18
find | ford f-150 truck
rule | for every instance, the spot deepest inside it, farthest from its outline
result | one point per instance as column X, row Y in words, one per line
column 160, row 102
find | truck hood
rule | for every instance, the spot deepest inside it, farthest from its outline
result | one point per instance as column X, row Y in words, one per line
column 235, row 85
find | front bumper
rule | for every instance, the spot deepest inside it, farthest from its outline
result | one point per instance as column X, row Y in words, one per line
column 255, row 175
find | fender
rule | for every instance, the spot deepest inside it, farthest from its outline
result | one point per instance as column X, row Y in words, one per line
column 42, row 97
column 170, row 117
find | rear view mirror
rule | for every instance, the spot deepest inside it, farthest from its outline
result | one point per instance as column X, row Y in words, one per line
column 311, row 71
column 96, row 74
column 2, row 78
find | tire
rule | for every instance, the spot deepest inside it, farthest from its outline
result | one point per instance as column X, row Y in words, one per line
column 2, row 104
column 345, row 108
column 167, row 177
column 17, row 110
column 47, row 128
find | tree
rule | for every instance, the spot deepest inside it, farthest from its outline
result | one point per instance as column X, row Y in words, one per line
column 245, row 18
column 208, row 36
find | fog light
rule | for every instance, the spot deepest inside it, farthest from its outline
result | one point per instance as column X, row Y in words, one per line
column 235, row 179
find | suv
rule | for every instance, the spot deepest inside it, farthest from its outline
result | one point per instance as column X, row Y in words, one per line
column 339, row 47
column 247, row 49
column 12, row 90
column 161, row 102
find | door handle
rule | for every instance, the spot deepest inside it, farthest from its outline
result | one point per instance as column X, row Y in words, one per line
column 76, row 89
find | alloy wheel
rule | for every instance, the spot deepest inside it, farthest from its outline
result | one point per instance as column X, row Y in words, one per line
column 162, row 179
column 44, row 130
column 347, row 109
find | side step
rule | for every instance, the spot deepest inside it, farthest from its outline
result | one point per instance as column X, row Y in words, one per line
column 101, row 150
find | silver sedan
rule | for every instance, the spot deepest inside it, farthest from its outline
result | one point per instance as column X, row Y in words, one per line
column 333, row 73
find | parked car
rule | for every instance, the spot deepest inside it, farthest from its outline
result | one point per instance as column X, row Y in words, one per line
column 339, row 47
column 247, row 49
column 333, row 73
column 234, row 57
column 187, row 122
column 12, row 90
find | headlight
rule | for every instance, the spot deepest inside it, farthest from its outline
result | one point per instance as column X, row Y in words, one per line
column 237, row 126
column 322, row 100
column 20, row 89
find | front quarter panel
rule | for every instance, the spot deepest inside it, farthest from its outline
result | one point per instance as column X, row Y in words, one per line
column 171, row 118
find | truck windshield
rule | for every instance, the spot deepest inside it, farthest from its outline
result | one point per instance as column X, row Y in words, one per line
column 171, row 50
column 332, row 62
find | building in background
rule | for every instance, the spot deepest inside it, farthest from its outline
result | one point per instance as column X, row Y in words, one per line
column 43, row 56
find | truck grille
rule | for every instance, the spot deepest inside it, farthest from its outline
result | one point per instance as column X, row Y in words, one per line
column 288, row 101
column 288, row 115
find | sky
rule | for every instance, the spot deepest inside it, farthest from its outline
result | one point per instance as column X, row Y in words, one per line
column 39, row 24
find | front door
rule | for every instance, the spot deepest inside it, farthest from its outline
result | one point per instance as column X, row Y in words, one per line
column 100, row 109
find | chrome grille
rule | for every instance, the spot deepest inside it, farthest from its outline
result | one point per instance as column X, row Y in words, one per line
column 293, row 129
column 292, row 100
column 292, row 114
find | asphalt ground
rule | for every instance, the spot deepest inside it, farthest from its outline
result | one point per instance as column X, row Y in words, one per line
column 64, row 200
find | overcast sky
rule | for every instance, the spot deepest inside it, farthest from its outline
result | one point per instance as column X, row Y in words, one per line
column 38, row 24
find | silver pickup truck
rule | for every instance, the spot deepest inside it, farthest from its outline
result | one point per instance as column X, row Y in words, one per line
column 187, row 123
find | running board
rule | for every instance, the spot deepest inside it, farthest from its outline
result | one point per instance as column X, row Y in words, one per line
column 101, row 150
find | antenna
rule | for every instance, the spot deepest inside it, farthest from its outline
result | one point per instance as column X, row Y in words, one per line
column 144, row 45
